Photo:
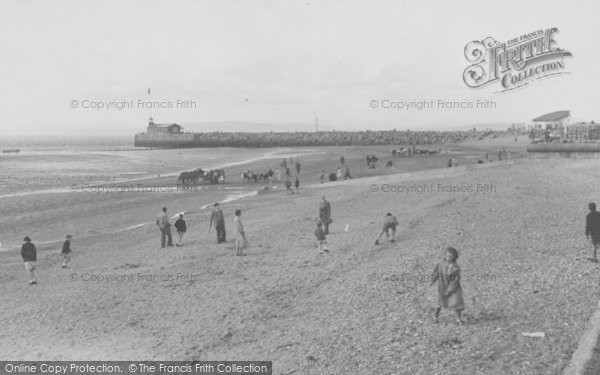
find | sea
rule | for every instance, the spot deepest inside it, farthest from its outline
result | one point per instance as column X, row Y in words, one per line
column 53, row 164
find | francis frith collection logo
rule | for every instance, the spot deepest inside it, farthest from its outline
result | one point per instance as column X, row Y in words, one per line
column 515, row 63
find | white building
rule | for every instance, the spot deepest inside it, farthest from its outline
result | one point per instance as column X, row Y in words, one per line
column 163, row 128
column 554, row 121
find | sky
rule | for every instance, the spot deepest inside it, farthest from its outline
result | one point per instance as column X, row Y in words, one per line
column 277, row 62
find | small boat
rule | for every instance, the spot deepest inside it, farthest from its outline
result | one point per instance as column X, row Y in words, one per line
column 8, row 151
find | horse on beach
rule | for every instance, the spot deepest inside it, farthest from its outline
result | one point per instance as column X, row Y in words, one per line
column 399, row 152
column 189, row 179
column 262, row 176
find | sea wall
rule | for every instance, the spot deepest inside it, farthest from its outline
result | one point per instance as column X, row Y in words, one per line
column 564, row 150
column 164, row 140
column 290, row 139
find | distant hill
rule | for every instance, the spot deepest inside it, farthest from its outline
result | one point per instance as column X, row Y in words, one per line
column 239, row 126
column 479, row 127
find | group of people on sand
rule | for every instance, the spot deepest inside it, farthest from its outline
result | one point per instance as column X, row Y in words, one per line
column 338, row 175
column 446, row 273
column 217, row 217
column 166, row 239
column 288, row 186
column 29, row 255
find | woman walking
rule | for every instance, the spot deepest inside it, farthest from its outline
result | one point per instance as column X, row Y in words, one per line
column 240, row 236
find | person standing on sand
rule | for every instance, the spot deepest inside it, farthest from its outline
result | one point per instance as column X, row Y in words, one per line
column 389, row 222
column 240, row 236
column 592, row 228
column 322, row 176
column 297, row 165
column 165, row 228
column 66, row 251
column 219, row 219
column 447, row 275
column 347, row 174
column 320, row 234
column 277, row 175
column 288, row 187
column 297, row 185
column 181, row 229
column 325, row 214
column 29, row 255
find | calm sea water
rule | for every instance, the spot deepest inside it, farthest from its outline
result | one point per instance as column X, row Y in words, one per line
column 54, row 165
column 45, row 163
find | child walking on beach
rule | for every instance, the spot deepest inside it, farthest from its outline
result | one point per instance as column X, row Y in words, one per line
column 181, row 228
column 240, row 242
column 447, row 275
column 288, row 187
column 66, row 251
column 29, row 255
column 320, row 234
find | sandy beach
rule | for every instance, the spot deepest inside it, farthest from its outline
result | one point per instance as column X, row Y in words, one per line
column 468, row 129
column 359, row 308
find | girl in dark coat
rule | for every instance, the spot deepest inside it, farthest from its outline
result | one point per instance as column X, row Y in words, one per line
column 447, row 275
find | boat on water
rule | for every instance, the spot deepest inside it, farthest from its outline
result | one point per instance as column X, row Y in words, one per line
column 11, row 151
